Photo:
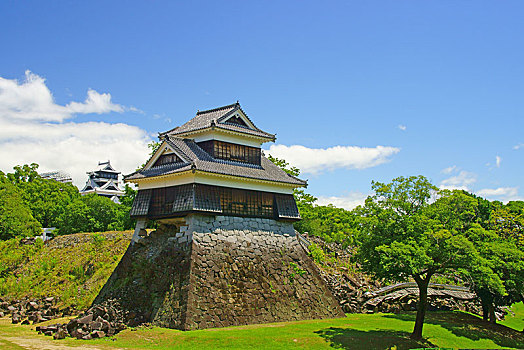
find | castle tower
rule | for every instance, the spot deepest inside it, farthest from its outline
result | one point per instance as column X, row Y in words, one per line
column 225, row 252
column 104, row 182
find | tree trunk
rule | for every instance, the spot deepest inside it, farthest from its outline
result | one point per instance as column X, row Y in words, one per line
column 485, row 312
column 492, row 317
column 486, row 300
column 422, row 306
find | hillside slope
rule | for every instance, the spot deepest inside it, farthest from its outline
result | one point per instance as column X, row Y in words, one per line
column 73, row 268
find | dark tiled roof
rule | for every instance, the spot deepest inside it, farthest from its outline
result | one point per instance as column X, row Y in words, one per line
column 206, row 119
column 196, row 158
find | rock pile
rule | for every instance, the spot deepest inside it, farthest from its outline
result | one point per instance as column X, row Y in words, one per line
column 407, row 299
column 27, row 311
column 99, row 321
column 348, row 286
column 350, row 289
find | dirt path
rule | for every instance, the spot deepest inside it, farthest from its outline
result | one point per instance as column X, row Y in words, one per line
column 38, row 344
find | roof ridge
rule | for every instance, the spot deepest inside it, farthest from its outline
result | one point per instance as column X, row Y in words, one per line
column 218, row 108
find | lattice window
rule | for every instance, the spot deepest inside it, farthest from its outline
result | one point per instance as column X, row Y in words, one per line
column 141, row 203
column 246, row 203
column 207, row 198
column 286, row 206
column 161, row 202
column 183, row 198
column 231, row 151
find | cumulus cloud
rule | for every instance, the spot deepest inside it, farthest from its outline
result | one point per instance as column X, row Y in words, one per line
column 95, row 103
column 462, row 181
column 31, row 99
column 402, row 127
column 519, row 146
column 503, row 194
column 317, row 160
column 347, row 202
column 33, row 129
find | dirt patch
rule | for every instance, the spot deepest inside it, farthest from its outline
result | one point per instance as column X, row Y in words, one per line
column 43, row 344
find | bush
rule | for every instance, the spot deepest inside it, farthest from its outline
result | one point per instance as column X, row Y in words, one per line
column 317, row 254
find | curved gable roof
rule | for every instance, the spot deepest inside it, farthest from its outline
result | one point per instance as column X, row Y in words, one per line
column 217, row 117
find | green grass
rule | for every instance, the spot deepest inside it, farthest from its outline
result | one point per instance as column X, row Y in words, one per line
column 356, row 331
column 515, row 321
column 73, row 267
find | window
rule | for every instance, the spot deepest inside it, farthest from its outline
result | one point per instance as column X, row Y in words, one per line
column 141, row 203
column 168, row 200
column 178, row 200
column 231, row 151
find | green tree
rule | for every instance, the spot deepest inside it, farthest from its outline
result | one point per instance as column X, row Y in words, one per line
column 508, row 221
column 125, row 222
column 75, row 218
column 15, row 217
column 404, row 237
column 92, row 213
column 46, row 198
column 498, row 277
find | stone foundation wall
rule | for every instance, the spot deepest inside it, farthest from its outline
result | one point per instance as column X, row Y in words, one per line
column 151, row 281
column 247, row 271
column 216, row 271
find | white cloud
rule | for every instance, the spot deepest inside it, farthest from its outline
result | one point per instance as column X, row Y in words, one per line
column 95, row 103
column 462, row 181
column 317, row 160
column 503, row 194
column 449, row 170
column 402, row 127
column 498, row 160
column 31, row 99
column 32, row 129
column 519, row 146
column 347, row 202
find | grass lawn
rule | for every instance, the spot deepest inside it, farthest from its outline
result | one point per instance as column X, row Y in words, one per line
column 515, row 321
column 356, row 331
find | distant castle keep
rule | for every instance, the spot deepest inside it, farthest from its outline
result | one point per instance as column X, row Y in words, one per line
column 225, row 252
column 103, row 182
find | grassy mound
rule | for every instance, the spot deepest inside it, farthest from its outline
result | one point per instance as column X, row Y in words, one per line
column 73, row 268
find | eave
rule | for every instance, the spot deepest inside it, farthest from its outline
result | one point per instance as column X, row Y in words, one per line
column 187, row 134
column 211, row 174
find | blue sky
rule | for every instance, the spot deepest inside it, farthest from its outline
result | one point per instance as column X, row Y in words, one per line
column 438, row 84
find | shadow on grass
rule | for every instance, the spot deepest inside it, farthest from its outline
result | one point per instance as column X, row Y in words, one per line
column 346, row 338
column 465, row 325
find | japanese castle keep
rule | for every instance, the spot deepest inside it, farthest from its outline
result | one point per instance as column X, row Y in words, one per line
column 103, row 182
column 225, row 251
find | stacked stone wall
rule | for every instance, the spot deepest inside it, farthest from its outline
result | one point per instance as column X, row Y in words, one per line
column 247, row 270
column 216, row 271
column 151, row 282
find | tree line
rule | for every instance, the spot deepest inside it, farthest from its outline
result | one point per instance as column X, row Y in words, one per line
column 29, row 202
